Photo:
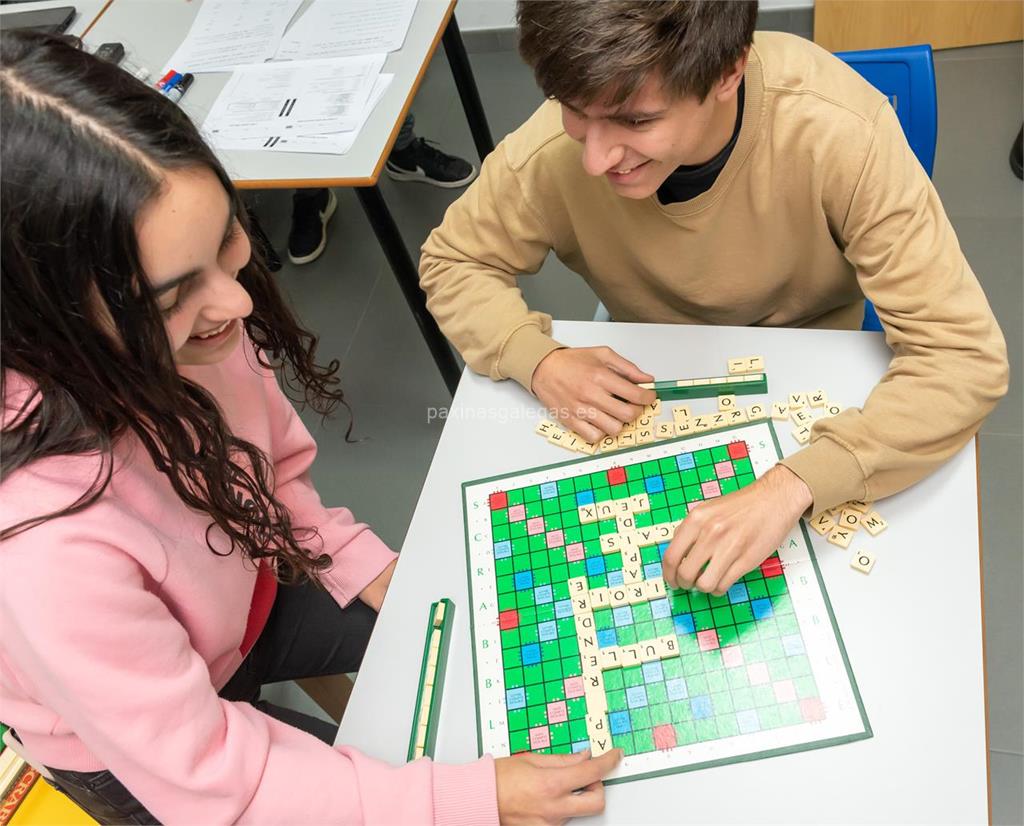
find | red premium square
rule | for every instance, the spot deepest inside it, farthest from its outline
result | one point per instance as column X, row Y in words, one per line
column 508, row 619
column 664, row 737
column 772, row 566
column 737, row 450
column 617, row 476
column 499, row 501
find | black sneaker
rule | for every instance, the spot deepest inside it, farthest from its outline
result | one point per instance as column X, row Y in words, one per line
column 420, row 161
column 308, row 236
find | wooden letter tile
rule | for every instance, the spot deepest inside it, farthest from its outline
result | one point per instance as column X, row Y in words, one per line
column 873, row 523
column 726, row 403
column 797, row 400
column 681, row 412
column 841, row 537
column 664, row 430
column 817, row 399
column 822, row 523
column 850, row 519
column 802, row 434
column 546, row 427
column 801, row 416
column 780, row 410
column 626, row 440
column 755, row 412
column 862, row 561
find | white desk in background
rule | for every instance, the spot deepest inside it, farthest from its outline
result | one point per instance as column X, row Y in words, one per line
column 912, row 628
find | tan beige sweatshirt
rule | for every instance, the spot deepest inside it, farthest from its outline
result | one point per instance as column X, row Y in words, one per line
column 821, row 203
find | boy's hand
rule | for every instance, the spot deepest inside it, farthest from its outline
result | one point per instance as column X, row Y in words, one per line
column 373, row 594
column 736, row 533
column 593, row 389
column 541, row 788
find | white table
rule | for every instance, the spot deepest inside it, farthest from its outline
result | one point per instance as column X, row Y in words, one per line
column 151, row 30
column 912, row 629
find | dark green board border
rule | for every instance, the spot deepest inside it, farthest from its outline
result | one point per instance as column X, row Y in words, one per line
column 744, row 758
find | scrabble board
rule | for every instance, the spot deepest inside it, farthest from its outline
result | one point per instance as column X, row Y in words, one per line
column 578, row 643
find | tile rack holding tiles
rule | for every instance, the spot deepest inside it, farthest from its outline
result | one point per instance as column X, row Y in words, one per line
column 578, row 643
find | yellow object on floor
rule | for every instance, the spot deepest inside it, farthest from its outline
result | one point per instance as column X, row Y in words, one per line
column 45, row 806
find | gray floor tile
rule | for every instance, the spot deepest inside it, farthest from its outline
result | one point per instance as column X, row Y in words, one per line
column 331, row 294
column 993, row 248
column 979, row 101
column 380, row 475
column 1002, row 491
column 1007, row 771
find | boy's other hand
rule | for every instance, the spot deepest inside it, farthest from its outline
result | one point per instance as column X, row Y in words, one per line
column 734, row 534
column 593, row 390
column 549, row 789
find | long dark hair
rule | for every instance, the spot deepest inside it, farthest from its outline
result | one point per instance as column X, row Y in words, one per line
column 84, row 148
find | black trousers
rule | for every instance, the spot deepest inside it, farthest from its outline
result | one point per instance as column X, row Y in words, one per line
column 307, row 635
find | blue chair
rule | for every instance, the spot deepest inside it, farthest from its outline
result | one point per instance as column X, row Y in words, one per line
column 905, row 75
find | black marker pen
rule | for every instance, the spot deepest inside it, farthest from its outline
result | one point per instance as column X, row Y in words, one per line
column 182, row 86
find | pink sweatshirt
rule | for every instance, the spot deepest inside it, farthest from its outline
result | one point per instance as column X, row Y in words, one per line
column 118, row 626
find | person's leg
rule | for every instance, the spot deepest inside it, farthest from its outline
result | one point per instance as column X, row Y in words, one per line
column 311, row 212
column 101, row 796
column 417, row 159
column 406, row 135
column 307, row 635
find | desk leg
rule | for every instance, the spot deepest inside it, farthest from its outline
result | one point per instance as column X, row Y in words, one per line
column 464, row 82
column 408, row 279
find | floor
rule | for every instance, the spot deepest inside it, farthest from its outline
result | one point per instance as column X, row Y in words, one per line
column 350, row 299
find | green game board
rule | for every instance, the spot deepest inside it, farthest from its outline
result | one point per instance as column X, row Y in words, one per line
column 758, row 671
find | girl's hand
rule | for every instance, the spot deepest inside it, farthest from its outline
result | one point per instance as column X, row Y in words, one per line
column 373, row 594
column 548, row 789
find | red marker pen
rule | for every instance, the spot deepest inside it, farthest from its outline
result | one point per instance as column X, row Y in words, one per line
column 160, row 84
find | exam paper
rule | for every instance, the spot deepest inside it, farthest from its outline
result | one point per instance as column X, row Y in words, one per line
column 229, row 33
column 330, row 28
column 337, row 143
column 306, row 97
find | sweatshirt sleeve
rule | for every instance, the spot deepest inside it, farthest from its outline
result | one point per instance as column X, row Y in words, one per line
column 468, row 270
column 358, row 555
column 94, row 645
column 949, row 364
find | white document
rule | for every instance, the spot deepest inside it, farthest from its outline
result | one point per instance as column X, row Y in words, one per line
column 336, row 143
column 332, row 28
column 229, row 33
column 304, row 97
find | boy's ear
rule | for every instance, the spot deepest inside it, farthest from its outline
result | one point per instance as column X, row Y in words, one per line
column 730, row 81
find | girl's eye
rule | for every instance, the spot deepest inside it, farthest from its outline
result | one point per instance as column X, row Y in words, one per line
column 233, row 233
column 168, row 312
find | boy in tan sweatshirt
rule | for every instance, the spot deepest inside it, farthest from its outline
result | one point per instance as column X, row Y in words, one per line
column 694, row 173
